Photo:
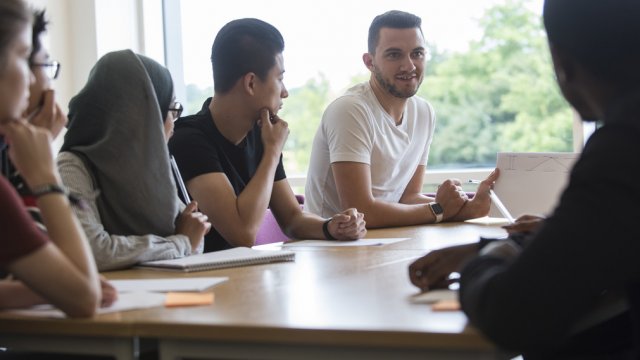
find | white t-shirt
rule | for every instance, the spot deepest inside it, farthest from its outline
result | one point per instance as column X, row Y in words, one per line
column 356, row 128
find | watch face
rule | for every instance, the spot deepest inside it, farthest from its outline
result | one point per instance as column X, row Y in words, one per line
column 437, row 208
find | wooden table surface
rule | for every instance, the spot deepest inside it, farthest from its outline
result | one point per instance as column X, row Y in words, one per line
column 330, row 296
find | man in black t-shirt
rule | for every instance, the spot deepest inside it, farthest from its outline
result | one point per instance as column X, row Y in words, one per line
column 230, row 153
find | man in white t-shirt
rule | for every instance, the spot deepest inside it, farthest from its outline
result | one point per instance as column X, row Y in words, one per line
column 372, row 146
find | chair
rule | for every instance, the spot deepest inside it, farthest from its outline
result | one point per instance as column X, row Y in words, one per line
column 270, row 231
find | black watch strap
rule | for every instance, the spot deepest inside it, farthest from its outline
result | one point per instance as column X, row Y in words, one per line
column 325, row 230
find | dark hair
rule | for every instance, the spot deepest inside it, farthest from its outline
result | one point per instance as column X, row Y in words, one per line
column 39, row 27
column 394, row 19
column 14, row 15
column 243, row 46
column 603, row 36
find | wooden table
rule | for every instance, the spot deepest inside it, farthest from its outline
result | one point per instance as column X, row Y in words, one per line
column 337, row 302
column 110, row 334
column 330, row 302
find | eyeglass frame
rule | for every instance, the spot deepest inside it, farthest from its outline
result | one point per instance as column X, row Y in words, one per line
column 177, row 110
column 54, row 65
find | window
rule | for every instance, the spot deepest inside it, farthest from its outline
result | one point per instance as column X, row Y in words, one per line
column 489, row 78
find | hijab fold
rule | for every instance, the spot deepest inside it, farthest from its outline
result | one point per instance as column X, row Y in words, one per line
column 116, row 124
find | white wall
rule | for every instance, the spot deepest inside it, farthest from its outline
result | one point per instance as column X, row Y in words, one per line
column 81, row 31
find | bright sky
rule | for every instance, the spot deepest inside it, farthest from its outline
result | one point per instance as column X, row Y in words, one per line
column 327, row 36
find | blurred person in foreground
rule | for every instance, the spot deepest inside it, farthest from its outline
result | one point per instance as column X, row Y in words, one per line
column 568, row 287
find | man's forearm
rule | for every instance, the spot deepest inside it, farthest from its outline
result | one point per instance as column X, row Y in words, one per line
column 385, row 214
column 14, row 294
column 254, row 199
column 305, row 226
column 416, row 198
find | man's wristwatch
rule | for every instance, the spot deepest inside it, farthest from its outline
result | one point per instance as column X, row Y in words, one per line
column 437, row 211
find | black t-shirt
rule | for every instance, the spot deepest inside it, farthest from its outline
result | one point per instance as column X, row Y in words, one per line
column 200, row 148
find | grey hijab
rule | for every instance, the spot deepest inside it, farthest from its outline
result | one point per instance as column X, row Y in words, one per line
column 116, row 125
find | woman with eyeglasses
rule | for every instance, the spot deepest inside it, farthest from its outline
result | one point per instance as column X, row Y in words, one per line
column 42, row 109
column 115, row 156
column 56, row 266
column 43, row 112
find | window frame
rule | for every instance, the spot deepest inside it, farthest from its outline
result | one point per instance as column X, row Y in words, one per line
column 172, row 35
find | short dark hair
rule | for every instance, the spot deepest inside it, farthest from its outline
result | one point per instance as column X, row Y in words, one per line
column 39, row 27
column 394, row 19
column 603, row 36
column 14, row 15
column 243, row 46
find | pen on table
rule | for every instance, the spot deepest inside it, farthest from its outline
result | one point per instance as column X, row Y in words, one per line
column 496, row 200
column 176, row 173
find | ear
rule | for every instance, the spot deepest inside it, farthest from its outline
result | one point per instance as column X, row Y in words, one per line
column 249, row 83
column 367, row 59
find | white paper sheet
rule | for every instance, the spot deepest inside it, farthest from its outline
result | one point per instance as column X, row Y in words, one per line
column 486, row 220
column 434, row 296
column 166, row 285
column 125, row 302
column 531, row 183
column 327, row 243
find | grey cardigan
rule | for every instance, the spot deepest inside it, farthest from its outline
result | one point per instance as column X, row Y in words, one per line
column 114, row 251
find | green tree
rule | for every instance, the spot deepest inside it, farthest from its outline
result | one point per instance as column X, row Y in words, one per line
column 303, row 111
column 500, row 95
column 195, row 98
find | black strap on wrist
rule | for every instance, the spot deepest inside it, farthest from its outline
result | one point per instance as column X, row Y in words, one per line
column 325, row 230
column 47, row 189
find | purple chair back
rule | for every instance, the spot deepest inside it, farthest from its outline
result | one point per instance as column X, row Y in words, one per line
column 270, row 231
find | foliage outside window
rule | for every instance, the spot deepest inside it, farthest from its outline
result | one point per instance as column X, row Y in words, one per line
column 500, row 95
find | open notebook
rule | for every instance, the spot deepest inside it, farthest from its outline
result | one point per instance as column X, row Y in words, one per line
column 239, row 256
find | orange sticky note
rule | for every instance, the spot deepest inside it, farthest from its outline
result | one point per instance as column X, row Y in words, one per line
column 446, row 305
column 188, row 299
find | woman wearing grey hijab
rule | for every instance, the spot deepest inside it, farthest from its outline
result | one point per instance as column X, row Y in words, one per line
column 115, row 156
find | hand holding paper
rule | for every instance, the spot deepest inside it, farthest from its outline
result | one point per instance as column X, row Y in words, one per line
column 492, row 195
column 479, row 205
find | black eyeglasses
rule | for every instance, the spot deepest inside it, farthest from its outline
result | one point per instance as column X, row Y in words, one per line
column 52, row 68
column 176, row 110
